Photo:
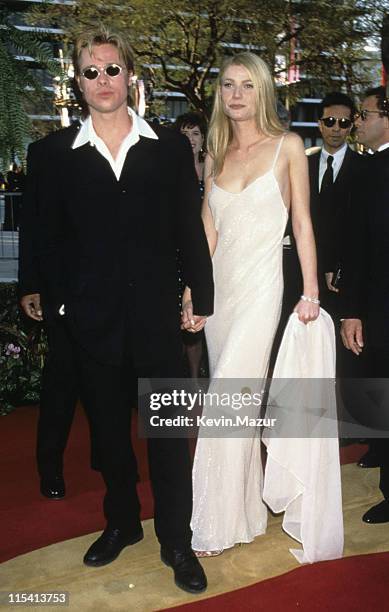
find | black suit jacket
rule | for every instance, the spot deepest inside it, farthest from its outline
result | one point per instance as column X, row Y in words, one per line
column 365, row 291
column 107, row 248
column 330, row 209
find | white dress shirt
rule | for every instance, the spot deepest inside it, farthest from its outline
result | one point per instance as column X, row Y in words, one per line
column 383, row 147
column 336, row 164
column 87, row 134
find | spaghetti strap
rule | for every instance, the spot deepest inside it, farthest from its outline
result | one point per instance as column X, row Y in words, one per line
column 277, row 152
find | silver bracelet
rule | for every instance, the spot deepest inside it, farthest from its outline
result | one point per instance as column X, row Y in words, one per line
column 313, row 300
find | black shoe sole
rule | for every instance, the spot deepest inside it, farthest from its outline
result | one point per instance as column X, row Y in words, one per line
column 53, row 497
column 182, row 586
column 134, row 540
column 370, row 522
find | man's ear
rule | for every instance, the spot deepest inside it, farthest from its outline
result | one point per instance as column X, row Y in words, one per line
column 78, row 81
column 130, row 77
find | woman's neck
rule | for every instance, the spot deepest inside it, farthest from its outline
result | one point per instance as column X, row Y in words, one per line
column 246, row 134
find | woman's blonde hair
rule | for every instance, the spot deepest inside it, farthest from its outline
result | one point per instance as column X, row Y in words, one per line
column 220, row 127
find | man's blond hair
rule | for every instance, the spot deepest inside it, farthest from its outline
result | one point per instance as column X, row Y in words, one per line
column 103, row 36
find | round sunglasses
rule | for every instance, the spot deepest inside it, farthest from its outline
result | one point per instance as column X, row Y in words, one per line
column 343, row 122
column 92, row 72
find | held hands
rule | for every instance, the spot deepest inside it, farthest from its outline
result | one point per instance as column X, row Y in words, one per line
column 31, row 306
column 308, row 309
column 189, row 321
column 352, row 336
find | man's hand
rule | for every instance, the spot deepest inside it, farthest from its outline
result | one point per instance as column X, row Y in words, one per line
column 329, row 278
column 31, row 306
column 352, row 337
column 189, row 321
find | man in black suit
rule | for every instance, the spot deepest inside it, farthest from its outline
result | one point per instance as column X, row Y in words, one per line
column 365, row 291
column 114, row 200
column 331, row 171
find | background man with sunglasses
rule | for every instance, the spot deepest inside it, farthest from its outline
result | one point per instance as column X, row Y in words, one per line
column 331, row 172
column 365, row 290
column 113, row 200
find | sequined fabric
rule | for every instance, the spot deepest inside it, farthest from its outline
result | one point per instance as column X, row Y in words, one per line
column 227, row 474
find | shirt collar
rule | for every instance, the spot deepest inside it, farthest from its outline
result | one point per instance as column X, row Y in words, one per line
column 338, row 155
column 383, row 147
column 87, row 134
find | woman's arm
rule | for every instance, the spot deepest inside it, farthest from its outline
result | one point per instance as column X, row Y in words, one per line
column 209, row 225
column 307, row 310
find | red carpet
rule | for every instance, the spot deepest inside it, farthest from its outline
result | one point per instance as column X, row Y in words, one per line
column 28, row 520
column 353, row 584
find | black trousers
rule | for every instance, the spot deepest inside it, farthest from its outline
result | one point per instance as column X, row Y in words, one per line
column 378, row 367
column 57, row 402
column 59, row 394
column 107, row 392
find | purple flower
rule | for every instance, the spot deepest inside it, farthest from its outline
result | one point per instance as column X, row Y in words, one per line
column 13, row 351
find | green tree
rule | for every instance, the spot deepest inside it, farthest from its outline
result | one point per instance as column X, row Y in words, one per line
column 183, row 41
column 19, row 87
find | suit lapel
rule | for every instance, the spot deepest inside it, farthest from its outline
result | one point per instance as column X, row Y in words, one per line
column 141, row 159
column 314, row 161
column 92, row 166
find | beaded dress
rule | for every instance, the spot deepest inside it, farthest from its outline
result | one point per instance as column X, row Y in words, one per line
column 227, row 473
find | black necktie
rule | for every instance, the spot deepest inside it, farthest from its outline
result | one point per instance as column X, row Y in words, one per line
column 328, row 176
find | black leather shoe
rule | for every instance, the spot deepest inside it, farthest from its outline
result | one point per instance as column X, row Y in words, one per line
column 188, row 573
column 369, row 460
column 53, row 487
column 109, row 546
column 378, row 513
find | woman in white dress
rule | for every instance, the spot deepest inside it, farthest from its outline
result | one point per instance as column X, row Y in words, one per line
column 256, row 173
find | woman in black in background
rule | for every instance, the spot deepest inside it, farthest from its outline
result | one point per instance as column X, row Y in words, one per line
column 193, row 125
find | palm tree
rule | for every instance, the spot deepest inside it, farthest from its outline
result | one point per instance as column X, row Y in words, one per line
column 19, row 85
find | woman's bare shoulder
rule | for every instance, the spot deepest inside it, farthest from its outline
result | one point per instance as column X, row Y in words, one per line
column 293, row 142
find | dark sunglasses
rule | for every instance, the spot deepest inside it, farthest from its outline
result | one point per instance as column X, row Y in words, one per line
column 363, row 114
column 343, row 122
column 92, row 72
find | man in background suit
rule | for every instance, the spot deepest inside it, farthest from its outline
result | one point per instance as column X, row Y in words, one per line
column 114, row 200
column 365, row 291
column 331, row 171
column 330, row 194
